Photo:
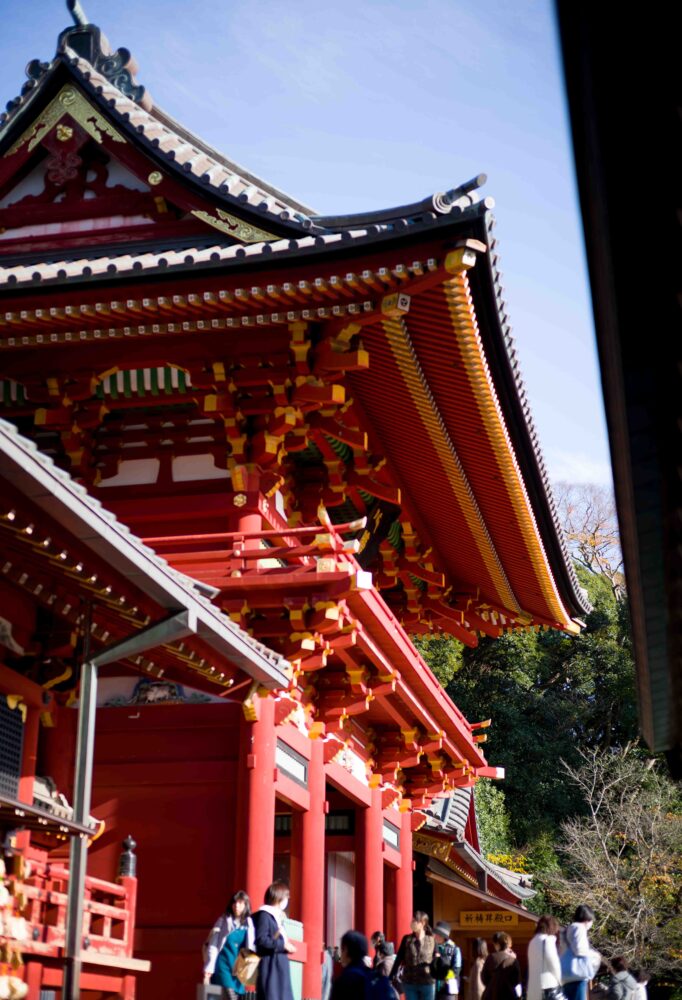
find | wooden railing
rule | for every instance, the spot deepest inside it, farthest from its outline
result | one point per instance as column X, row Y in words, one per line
column 39, row 889
column 109, row 908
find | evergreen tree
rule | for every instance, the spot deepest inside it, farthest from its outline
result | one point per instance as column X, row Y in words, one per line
column 549, row 695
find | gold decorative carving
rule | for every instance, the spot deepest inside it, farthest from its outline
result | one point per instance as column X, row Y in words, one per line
column 430, row 845
column 155, row 177
column 233, row 226
column 68, row 101
column 64, row 132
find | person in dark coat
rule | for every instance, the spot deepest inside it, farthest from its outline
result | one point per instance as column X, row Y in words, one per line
column 353, row 983
column 273, row 946
column 414, row 960
column 623, row 985
column 385, row 958
column 501, row 973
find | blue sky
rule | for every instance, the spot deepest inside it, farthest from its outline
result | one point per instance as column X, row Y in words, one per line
column 364, row 105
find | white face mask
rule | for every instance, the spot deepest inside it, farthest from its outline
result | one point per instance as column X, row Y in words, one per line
column 283, row 905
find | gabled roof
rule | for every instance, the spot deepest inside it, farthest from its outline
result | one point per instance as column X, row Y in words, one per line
column 103, row 79
column 84, row 56
column 443, row 873
column 449, row 816
column 285, row 234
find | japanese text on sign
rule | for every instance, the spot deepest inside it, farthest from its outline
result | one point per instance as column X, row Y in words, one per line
column 487, row 918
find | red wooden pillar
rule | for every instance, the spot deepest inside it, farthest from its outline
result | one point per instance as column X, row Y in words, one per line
column 29, row 755
column 256, row 808
column 128, row 990
column 312, row 873
column 370, row 865
column 404, row 881
column 33, row 977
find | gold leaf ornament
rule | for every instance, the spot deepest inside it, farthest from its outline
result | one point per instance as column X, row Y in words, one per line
column 68, row 101
column 230, row 224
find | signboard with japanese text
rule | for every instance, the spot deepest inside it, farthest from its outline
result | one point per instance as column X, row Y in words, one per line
column 488, row 918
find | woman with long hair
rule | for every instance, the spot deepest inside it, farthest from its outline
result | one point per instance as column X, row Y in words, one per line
column 232, row 931
column 474, row 986
column 415, row 959
column 544, row 968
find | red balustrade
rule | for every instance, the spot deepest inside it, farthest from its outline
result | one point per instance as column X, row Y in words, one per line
column 39, row 890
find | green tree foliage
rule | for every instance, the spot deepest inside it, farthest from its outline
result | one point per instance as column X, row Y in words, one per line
column 492, row 818
column 543, row 862
column 549, row 695
column 443, row 655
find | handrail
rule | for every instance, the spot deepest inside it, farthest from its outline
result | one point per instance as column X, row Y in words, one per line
column 224, row 536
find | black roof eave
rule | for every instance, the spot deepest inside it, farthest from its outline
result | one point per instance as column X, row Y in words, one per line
column 437, row 227
column 624, row 143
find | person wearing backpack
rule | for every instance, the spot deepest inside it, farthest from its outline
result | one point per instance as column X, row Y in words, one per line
column 447, row 961
column 623, row 985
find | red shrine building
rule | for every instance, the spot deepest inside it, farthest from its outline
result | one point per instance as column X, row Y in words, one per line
column 246, row 453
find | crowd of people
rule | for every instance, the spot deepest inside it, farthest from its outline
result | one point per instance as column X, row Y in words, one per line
column 245, row 949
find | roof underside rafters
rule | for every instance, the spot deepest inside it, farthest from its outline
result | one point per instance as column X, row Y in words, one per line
column 516, row 555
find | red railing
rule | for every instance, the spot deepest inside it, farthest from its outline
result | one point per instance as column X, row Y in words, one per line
column 37, row 930
column 108, row 917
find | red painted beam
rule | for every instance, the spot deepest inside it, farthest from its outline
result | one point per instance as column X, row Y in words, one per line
column 397, row 649
column 12, row 682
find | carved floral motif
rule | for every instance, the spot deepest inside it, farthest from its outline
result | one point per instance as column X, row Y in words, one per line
column 63, row 167
column 235, row 227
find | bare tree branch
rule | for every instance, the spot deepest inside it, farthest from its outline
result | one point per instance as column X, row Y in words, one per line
column 624, row 858
column 588, row 513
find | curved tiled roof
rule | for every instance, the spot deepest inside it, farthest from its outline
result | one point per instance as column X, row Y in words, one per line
column 181, row 151
column 449, row 816
column 526, row 439
column 295, row 234
column 23, row 454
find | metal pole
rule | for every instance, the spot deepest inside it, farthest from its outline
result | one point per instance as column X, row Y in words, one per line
column 85, row 745
column 179, row 625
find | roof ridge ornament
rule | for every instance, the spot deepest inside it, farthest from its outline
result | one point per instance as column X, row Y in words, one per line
column 87, row 41
column 90, row 43
column 77, row 13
